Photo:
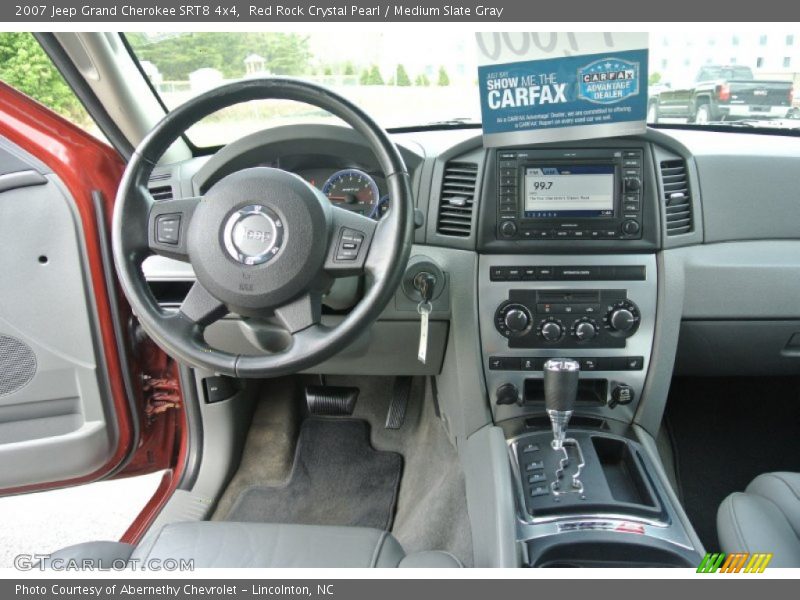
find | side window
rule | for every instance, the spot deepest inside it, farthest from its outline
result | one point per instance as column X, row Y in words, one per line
column 25, row 67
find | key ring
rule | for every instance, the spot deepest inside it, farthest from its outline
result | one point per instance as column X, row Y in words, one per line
column 424, row 307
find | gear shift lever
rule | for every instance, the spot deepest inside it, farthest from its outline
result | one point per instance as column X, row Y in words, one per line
column 560, row 391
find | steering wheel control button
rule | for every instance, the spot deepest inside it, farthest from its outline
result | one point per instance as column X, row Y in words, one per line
column 253, row 235
column 168, row 229
column 349, row 245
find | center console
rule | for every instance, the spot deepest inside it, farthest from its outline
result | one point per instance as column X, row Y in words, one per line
column 567, row 293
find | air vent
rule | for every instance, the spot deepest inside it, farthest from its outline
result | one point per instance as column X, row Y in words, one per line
column 677, row 199
column 161, row 192
column 159, row 176
column 457, row 199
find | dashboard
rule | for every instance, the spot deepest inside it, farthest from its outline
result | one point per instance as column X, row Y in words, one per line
column 640, row 256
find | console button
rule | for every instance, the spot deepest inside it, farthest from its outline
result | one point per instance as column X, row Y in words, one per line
column 562, row 234
column 537, row 477
column 528, row 274
column 609, row 234
column 532, row 364
column 588, row 364
column 575, row 273
column 498, row 274
column 544, row 272
column 534, row 465
column 543, row 234
column 530, row 448
column 579, row 233
column 539, row 490
column 514, row 273
column 634, row 363
column 495, row 363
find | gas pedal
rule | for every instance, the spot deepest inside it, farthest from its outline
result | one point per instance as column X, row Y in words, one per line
column 399, row 404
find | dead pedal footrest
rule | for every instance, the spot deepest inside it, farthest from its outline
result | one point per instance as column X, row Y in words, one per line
column 332, row 401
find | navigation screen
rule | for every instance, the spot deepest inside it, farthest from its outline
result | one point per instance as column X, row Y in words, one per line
column 577, row 191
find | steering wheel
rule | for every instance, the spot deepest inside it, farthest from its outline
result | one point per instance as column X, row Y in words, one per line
column 263, row 242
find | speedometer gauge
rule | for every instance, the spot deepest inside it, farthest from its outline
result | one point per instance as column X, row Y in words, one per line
column 352, row 189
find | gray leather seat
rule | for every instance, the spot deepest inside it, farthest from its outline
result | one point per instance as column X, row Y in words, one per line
column 228, row 544
column 765, row 518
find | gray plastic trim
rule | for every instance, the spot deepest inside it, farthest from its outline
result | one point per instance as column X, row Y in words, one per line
column 490, row 498
column 20, row 179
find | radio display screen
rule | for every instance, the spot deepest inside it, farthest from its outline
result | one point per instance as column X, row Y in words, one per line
column 569, row 191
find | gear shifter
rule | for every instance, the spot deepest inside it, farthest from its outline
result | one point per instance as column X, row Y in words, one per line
column 560, row 391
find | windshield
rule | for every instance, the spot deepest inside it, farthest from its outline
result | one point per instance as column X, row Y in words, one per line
column 426, row 80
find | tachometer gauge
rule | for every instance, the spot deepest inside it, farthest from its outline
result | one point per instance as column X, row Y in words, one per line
column 352, row 189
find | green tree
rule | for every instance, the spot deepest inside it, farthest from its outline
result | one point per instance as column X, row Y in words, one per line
column 371, row 76
column 25, row 66
column 401, row 77
column 654, row 78
column 422, row 80
column 348, row 69
column 375, row 76
column 178, row 55
column 444, row 79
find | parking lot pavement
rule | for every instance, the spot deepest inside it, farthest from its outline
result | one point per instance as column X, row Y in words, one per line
column 46, row 521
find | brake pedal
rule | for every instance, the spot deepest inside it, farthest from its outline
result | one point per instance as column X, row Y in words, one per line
column 331, row 401
column 399, row 404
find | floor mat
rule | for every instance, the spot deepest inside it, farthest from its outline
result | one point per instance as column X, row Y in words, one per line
column 726, row 431
column 337, row 479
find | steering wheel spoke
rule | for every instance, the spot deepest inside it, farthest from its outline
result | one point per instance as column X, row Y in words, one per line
column 167, row 225
column 201, row 307
column 350, row 243
column 302, row 313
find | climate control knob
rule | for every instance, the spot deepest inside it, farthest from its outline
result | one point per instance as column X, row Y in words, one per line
column 623, row 319
column 513, row 319
column 552, row 331
column 517, row 319
column 585, row 330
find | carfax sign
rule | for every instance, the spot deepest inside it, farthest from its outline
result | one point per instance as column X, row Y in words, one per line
column 562, row 86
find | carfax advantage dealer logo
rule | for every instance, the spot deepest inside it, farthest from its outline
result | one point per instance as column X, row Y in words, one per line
column 738, row 562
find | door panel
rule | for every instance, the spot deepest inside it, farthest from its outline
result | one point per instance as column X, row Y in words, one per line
column 53, row 394
column 65, row 416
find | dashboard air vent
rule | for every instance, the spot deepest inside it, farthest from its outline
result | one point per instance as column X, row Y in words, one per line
column 161, row 192
column 677, row 199
column 457, row 199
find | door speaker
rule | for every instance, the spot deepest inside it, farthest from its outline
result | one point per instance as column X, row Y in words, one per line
column 17, row 364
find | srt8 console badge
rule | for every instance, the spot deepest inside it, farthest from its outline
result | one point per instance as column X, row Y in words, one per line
column 253, row 234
